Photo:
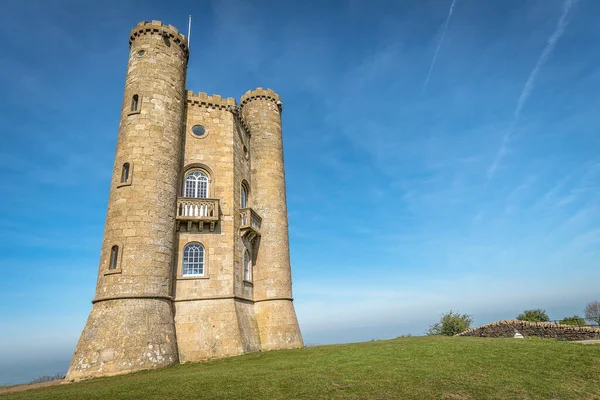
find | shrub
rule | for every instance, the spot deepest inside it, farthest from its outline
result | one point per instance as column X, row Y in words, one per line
column 450, row 324
column 48, row 378
column 574, row 320
column 537, row 315
column 592, row 312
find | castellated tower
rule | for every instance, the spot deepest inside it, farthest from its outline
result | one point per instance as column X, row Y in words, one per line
column 195, row 257
column 275, row 313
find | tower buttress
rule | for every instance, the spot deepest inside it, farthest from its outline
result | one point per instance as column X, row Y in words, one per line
column 130, row 326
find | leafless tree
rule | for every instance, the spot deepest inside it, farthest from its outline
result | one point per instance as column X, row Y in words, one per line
column 592, row 312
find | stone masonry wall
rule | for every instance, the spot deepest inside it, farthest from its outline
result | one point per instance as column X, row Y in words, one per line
column 213, row 154
column 508, row 328
column 242, row 175
column 207, row 329
column 205, row 315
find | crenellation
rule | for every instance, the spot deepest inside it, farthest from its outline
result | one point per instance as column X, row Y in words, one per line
column 153, row 27
column 260, row 93
column 201, row 99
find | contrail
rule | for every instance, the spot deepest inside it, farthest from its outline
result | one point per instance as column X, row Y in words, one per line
column 437, row 49
column 530, row 84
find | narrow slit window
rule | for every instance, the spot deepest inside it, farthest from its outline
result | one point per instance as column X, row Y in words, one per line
column 247, row 265
column 244, row 197
column 134, row 102
column 114, row 255
column 125, row 173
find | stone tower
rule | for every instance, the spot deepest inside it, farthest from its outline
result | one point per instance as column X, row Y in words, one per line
column 275, row 313
column 195, row 257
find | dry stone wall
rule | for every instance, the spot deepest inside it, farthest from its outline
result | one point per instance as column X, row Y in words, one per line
column 508, row 328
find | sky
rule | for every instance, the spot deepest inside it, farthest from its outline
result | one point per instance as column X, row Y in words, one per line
column 440, row 155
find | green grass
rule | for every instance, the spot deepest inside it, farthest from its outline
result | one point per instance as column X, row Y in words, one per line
column 403, row 368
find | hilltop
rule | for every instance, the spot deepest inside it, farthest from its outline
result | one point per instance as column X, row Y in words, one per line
column 403, row 368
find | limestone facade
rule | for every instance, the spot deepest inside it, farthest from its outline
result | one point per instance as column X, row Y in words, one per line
column 195, row 256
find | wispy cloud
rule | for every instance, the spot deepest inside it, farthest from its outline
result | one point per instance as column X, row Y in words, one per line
column 326, row 307
column 439, row 45
column 530, row 85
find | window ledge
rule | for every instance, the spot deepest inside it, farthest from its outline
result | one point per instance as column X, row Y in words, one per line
column 248, row 282
column 113, row 271
column 121, row 184
column 133, row 112
column 186, row 277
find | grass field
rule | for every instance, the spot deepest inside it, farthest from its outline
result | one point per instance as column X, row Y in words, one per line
column 403, row 368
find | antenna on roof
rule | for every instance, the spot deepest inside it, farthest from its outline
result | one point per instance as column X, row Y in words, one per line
column 189, row 30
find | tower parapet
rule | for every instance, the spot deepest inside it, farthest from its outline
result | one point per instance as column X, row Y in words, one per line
column 263, row 94
column 210, row 101
column 158, row 28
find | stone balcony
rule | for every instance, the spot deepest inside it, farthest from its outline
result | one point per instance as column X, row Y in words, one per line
column 250, row 223
column 193, row 211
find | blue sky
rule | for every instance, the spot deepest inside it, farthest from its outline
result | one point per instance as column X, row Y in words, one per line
column 473, row 187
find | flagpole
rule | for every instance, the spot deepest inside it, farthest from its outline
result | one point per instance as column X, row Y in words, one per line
column 189, row 30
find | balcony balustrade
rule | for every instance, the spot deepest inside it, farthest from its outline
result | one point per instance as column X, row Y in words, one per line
column 197, row 210
column 250, row 223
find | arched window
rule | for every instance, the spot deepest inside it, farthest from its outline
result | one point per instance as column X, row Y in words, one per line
column 247, row 265
column 114, row 257
column 125, row 173
column 196, row 184
column 193, row 259
column 244, row 196
column 134, row 102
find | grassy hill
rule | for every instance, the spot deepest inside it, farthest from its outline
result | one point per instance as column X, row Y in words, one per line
column 403, row 368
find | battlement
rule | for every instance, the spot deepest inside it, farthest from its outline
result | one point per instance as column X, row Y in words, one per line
column 210, row 101
column 217, row 102
column 157, row 27
column 260, row 93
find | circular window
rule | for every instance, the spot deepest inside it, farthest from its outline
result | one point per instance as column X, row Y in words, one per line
column 141, row 53
column 198, row 130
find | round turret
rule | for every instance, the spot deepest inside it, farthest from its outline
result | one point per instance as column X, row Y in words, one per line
column 276, row 318
column 131, row 323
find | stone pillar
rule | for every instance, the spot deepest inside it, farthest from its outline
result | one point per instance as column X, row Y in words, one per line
column 275, row 314
column 131, row 324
